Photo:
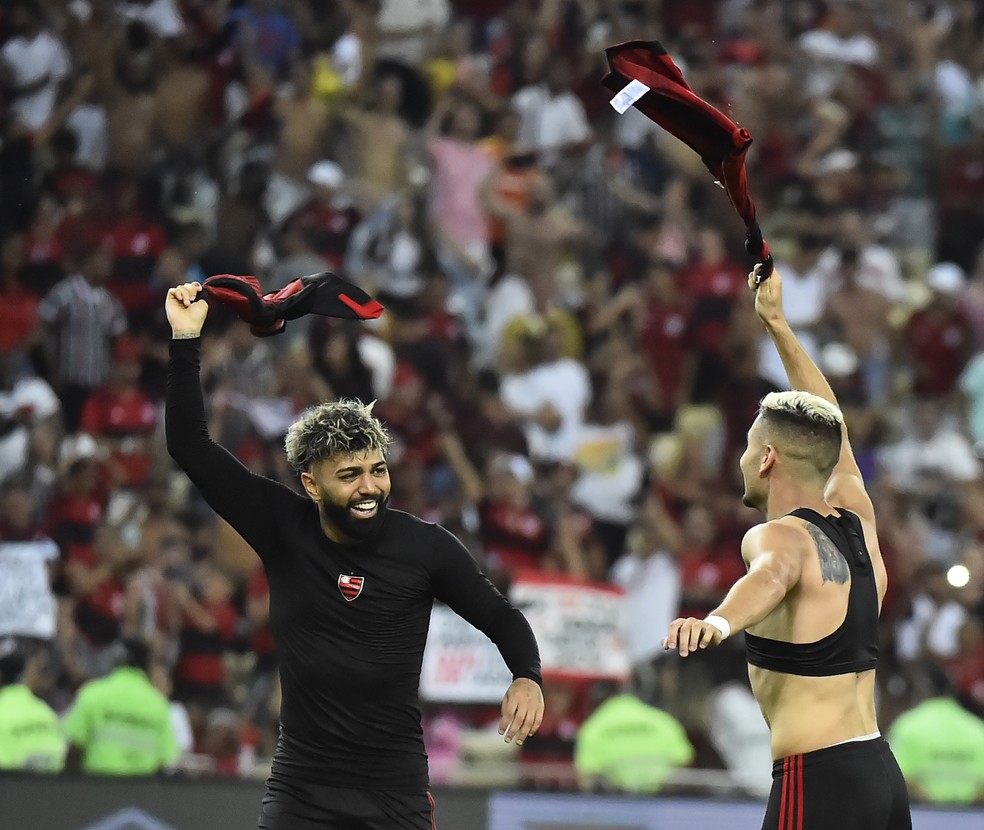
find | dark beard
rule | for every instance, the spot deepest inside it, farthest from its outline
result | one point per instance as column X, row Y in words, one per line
column 360, row 530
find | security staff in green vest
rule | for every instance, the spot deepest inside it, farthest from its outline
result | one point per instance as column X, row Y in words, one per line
column 940, row 745
column 31, row 736
column 120, row 724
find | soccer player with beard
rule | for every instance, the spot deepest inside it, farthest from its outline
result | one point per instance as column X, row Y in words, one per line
column 351, row 588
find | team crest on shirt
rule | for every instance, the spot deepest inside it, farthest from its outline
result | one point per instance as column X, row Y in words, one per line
column 350, row 586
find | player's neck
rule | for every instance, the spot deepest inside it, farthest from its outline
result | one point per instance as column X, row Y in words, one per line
column 786, row 496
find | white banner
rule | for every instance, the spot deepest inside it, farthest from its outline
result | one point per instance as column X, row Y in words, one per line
column 27, row 606
column 461, row 664
column 580, row 628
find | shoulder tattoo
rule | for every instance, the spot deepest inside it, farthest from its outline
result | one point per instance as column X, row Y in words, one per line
column 833, row 565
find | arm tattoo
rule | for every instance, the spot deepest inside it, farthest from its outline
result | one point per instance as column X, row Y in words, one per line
column 833, row 565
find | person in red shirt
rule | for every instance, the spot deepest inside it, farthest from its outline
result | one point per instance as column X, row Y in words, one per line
column 79, row 502
column 136, row 241
column 19, row 329
column 707, row 568
column 202, row 599
column 264, row 676
column 715, row 282
column 121, row 416
column 329, row 217
column 664, row 325
column 938, row 339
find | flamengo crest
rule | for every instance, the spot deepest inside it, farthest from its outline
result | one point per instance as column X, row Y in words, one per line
column 350, row 586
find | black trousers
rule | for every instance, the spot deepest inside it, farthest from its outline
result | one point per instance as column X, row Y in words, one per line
column 314, row 807
column 852, row 786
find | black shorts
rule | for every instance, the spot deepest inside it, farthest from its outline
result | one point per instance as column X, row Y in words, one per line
column 315, row 807
column 852, row 786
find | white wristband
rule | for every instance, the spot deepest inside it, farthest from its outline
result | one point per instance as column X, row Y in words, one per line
column 721, row 624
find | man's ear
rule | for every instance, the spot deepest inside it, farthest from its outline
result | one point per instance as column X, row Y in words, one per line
column 307, row 481
column 769, row 456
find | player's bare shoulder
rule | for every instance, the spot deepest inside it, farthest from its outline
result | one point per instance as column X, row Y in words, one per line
column 781, row 539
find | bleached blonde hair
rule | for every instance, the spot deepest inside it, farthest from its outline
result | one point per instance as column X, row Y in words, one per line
column 803, row 405
column 334, row 428
column 805, row 428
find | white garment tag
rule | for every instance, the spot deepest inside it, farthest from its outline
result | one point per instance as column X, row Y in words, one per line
column 629, row 94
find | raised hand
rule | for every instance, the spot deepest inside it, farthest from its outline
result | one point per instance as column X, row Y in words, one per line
column 768, row 296
column 184, row 314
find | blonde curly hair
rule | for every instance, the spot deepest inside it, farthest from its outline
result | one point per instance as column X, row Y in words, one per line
column 334, row 428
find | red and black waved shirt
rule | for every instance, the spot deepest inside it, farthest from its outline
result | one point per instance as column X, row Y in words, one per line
column 349, row 620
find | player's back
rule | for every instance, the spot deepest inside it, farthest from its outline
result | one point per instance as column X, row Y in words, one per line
column 812, row 660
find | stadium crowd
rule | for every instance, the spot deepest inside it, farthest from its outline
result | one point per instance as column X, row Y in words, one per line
column 569, row 359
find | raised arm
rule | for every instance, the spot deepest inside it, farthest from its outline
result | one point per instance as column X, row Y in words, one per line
column 246, row 501
column 845, row 487
column 773, row 553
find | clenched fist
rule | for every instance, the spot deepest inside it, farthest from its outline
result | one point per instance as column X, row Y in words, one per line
column 184, row 314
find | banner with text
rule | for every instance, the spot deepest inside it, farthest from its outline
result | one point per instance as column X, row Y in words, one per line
column 27, row 606
column 580, row 628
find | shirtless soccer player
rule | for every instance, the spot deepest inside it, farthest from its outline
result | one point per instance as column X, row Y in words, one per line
column 351, row 588
column 809, row 605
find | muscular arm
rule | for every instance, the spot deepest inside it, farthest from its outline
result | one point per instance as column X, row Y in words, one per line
column 846, row 485
column 462, row 587
column 772, row 553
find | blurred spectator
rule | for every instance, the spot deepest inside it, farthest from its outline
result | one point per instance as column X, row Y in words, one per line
column 330, row 216
column 31, row 736
column 121, row 416
column 649, row 575
column 160, row 15
column 207, row 625
column 552, row 120
column 266, row 40
column 460, row 166
column 26, row 401
column 82, row 320
column 859, row 318
column 381, row 139
column 120, row 724
column 37, row 63
column 628, row 746
column 940, row 746
column 803, row 297
column 716, row 281
column 937, row 340
column 19, row 329
column 610, row 473
column 548, row 390
column 878, row 267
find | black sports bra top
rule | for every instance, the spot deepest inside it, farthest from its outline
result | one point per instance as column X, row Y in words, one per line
column 853, row 647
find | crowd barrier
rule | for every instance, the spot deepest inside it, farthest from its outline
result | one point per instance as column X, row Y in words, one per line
column 30, row 802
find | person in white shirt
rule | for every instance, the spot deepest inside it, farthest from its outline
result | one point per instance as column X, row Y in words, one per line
column 549, row 394
column 552, row 119
column 161, row 16
column 878, row 267
column 37, row 62
column 804, row 298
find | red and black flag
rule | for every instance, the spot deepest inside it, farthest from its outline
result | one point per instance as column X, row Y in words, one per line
column 645, row 76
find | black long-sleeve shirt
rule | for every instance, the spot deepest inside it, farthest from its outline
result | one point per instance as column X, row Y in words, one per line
column 349, row 669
